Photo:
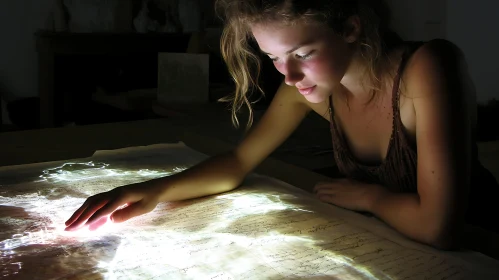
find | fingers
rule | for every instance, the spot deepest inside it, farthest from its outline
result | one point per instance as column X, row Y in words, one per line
column 97, row 224
column 131, row 211
column 90, row 205
column 327, row 191
column 77, row 214
column 326, row 187
column 109, row 208
column 121, row 203
column 326, row 198
column 88, row 208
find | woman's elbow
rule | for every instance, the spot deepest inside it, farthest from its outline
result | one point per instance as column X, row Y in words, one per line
column 444, row 239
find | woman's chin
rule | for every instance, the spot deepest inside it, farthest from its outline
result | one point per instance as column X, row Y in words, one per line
column 315, row 98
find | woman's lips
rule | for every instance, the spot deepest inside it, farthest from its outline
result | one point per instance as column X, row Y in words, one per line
column 306, row 91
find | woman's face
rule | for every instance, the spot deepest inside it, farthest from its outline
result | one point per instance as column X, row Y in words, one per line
column 310, row 56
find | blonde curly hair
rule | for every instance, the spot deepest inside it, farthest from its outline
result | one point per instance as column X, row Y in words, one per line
column 244, row 63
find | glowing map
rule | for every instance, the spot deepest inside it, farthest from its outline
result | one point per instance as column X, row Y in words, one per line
column 265, row 229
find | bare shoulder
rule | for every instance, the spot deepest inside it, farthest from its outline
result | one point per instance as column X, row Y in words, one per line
column 438, row 71
column 437, row 61
column 439, row 50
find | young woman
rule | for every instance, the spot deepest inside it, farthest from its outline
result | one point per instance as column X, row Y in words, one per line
column 402, row 118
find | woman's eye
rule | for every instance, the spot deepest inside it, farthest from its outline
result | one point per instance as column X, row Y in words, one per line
column 305, row 56
column 298, row 56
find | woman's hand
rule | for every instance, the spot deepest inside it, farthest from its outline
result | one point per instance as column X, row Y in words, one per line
column 349, row 194
column 121, row 204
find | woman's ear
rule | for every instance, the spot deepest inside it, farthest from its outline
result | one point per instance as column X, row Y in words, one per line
column 352, row 29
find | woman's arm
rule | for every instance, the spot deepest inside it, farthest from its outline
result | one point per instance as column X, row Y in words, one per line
column 215, row 175
column 437, row 80
column 224, row 173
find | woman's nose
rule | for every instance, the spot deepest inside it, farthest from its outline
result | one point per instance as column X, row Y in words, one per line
column 292, row 73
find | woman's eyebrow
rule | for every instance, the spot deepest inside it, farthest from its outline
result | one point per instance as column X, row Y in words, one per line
column 291, row 50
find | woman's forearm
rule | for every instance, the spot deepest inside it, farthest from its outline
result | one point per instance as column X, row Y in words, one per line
column 405, row 213
column 215, row 175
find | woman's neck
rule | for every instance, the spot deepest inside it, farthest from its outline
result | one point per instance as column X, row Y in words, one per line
column 358, row 84
column 356, row 81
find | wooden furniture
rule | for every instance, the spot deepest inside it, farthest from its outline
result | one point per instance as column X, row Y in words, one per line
column 1, row 115
column 50, row 44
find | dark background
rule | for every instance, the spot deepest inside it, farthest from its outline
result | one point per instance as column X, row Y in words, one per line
column 468, row 25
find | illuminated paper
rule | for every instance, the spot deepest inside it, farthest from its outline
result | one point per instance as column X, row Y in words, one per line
column 265, row 229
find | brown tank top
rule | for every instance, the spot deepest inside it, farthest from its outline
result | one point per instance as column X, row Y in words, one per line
column 397, row 171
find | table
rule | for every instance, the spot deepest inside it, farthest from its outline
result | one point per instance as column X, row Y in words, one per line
column 58, row 144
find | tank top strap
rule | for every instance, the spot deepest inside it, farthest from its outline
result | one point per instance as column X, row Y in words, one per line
column 398, row 127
